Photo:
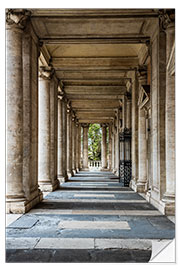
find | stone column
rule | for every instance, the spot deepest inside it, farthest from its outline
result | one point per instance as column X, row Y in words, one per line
column 128, row 111
column 110, row 146
column 79, row 145
column 169, row 196
column 69, row 143
column 73, row 146
column 134, row 125
column 104, row 147
column 44, row 178
column 15, row 21
column 64, row 113
column 117, row 150
column 141, row 185
column 85, row 146
column 142, row 151
column 114, row 144
column 53, row 129
column 60, row 139
column 112, row 130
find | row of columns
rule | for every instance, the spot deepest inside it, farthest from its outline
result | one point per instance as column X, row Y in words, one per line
column 159, row 187
column 52, row 145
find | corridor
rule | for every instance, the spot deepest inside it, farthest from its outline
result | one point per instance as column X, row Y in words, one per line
column 91, row 218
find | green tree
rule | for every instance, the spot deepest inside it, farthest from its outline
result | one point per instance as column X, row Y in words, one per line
column 94, row 142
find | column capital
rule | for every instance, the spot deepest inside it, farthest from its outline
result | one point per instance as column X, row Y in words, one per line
column 104, row 125
column 73, row 116
column 85, row 125
column 142, row 74
column 17, row 18
column 77, row 122
column 46, row 72
column 128, row 86
column 69, row 108
column 166, row 19
column 128, row 96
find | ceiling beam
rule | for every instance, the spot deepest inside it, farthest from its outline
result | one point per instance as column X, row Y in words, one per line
column 113, row 40
column 87, row 104
column 97, row 121
column 94, row 90
column 94, row 97
column 115, row 12
column 89, row 63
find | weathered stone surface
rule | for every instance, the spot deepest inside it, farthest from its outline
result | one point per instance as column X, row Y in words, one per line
column 21, row 243
column 65, row 243
column 24, row 222
column 119, row 225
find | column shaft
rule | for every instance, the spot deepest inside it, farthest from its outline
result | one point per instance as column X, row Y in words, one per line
column 85, row 146
column 142, row 180
column 128, row 113
column 69, row 144
column 44, row 134
column 60, row 140
column 64, row 117
column 14, row 103
column 110, row 146
column 134, row 124
column 79, row 145
column 117, row 146
column 53, row 104
column 169, row 196
column 73, row 148
column 104, row 147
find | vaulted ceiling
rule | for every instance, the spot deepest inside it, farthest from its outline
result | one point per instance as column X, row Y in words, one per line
column 92, row 51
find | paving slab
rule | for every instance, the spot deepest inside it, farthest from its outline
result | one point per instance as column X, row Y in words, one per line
column 21, row 243
column 94, row 195
column 109, row 225
column 24, row 222
column 123, row 244
column 10, row 218
column 66, row 243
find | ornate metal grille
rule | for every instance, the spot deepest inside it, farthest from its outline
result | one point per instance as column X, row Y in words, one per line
column 125, row 163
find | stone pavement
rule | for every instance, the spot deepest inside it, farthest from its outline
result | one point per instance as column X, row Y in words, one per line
column 91, row 218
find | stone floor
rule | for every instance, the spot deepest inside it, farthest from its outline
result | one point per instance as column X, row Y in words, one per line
column 92, row 218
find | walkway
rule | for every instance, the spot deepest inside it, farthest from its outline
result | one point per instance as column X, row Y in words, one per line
column 92, row 218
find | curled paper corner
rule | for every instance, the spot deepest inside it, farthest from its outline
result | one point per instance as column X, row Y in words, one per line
column 163, row 251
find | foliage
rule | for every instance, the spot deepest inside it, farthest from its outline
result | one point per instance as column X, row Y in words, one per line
column 94, row 142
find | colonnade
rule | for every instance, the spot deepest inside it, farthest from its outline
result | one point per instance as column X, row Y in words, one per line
column 44, row 135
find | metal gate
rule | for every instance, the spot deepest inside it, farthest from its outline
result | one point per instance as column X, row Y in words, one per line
column 125, row 163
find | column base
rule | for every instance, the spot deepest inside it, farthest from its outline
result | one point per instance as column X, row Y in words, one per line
column 74, row 171
column 165, row 206
column 140, row 187
column 168, row 204
column 16, row 206
column 104, row 170
column 70, row 174
column 132, row 184
column 62, row 179
column 48, row 186
column 85, row 169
